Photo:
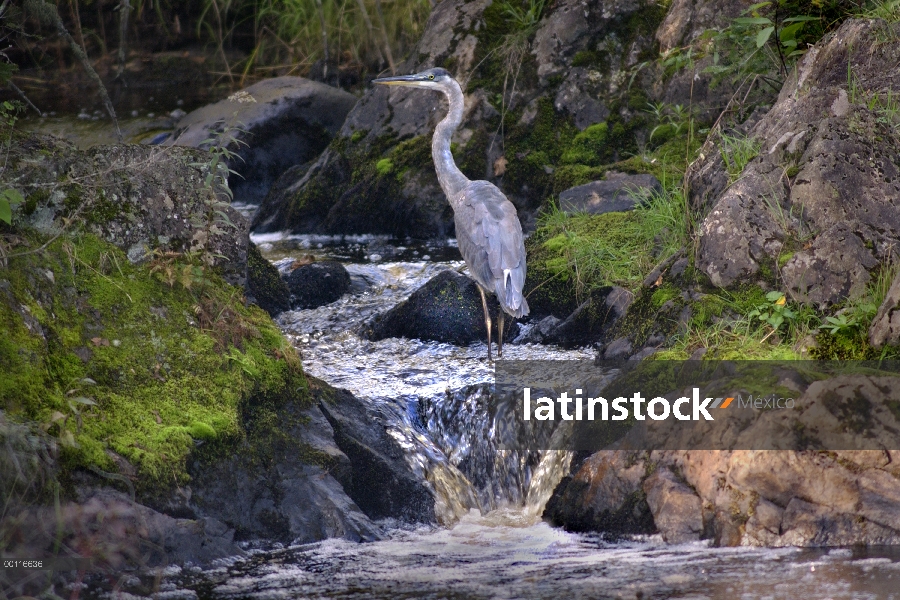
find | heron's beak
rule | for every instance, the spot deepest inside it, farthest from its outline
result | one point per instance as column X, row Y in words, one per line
column 406, row 80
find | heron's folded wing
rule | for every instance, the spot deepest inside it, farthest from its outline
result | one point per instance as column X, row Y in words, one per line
column 490, row 240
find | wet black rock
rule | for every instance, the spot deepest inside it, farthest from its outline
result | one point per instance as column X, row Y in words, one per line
column 446, row 309
column 287, row 485
column 265, row 288
column 617, row 194
column 380, row 481
column 289, row 121
column 317, row 284
column 592, row 319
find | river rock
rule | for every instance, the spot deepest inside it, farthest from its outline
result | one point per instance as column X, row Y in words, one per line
column 139, row 198
column 377, row 175
column 675, row 507
column 381, row 482
column 317, row 284
column 604, row 494
column 618, row 194
column 275, row 124
column 446, row 309
column 288, row 488
column 265, row 287
column 825, row 174
column 754, row 497
column 592, row 319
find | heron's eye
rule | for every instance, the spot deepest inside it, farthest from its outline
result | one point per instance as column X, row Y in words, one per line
column 431, row 76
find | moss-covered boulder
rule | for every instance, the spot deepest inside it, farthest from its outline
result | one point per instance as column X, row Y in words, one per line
column 128, row 371
column 139, row 198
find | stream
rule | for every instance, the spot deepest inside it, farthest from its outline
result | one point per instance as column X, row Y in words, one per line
column 492, row 543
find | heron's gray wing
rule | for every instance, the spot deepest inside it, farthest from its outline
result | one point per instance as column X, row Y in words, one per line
column 491, row 242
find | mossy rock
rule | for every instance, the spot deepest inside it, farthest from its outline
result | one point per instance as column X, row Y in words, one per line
column 113, row 361
column 264, row 283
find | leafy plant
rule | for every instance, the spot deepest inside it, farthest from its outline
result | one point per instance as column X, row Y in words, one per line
column 774, row 312
column 672, row 120
column 8, row 198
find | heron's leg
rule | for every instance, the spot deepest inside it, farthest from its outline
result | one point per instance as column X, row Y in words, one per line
column 487, row 319
column 500, row 318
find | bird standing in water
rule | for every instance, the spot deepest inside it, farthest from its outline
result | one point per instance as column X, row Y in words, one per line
column 487, row 228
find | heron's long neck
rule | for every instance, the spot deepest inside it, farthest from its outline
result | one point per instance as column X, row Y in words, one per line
column 450, row 177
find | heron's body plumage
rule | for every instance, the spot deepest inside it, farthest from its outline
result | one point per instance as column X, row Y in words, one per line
column 491, row 242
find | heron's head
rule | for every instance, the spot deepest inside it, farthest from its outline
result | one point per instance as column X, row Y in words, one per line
column 435, row 79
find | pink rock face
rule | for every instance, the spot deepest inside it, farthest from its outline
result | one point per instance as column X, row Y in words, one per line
column 748, row 497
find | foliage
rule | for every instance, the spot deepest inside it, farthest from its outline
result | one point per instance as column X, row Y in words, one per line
column 775, row 311
column 767, row 39
column 672, row 120
column 889, row 10
column 526, row 15
column 590, row 251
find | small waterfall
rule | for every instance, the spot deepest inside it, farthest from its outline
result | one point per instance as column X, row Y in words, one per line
column 438, row 399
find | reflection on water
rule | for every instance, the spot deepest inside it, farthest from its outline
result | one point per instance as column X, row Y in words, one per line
column 493, row 544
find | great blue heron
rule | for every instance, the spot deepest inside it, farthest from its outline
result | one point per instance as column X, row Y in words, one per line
column 487, row 227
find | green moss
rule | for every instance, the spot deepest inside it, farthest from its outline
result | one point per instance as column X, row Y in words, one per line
column 842, row 346
column 159, row 357
column 588, row 147
column 586, row 58
column 783, row 258
column 569, row 176
column 384, row 166
column 663, row 294
column 358, row 135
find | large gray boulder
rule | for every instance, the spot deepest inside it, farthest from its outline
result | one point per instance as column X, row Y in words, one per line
column 616, row 194
column 139, row 198
column 818, row 204
column 545, row 84
column 277, row 123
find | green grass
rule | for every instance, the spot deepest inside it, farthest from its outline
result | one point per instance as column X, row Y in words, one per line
column 737, row 151
column 889, row 10
column 590, row 251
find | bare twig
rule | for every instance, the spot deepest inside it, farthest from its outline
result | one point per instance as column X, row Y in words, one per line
column 15, row 88
column 321, row 12
column 124, row 11
column 371, row 28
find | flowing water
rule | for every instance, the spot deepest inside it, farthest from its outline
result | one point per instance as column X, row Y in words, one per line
column 492, row 542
